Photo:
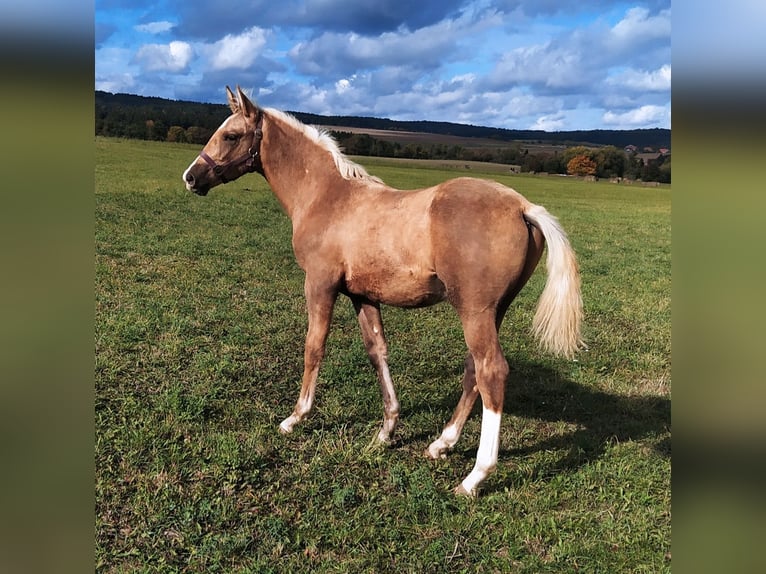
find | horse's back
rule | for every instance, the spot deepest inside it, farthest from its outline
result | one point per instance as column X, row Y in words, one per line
column 482, row 196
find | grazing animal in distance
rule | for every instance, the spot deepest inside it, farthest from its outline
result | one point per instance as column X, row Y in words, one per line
column 471, row 242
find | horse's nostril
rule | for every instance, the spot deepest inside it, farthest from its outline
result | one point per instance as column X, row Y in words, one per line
column 189, row 178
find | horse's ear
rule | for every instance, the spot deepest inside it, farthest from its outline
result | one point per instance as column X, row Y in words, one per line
column 233, row 103
column 248, row 108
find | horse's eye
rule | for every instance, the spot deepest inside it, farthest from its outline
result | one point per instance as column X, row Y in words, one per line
column 231, row 137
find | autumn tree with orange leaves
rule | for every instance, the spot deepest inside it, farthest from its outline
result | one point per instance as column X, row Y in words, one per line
column 581, row 165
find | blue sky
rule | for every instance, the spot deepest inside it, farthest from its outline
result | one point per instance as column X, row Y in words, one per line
column 523, row 64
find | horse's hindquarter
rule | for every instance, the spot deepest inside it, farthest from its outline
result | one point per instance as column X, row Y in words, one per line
column 480, row 240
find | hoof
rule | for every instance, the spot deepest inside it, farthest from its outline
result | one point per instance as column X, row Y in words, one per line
column 461, row 491
column 376, row 445
column 285, row 428
column 435, row 452
column 383, row 439
column 437, row 456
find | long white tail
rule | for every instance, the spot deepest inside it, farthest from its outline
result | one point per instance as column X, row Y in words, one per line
column 559, row 312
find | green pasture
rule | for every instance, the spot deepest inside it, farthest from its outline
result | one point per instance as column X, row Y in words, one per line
column 200, row 322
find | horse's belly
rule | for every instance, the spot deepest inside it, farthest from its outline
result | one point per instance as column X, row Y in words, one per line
column 397, row 287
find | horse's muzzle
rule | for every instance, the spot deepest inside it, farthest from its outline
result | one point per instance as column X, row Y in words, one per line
column 194, row 185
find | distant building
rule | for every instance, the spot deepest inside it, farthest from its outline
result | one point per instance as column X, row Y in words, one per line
column 647, row 157
column 630, row 148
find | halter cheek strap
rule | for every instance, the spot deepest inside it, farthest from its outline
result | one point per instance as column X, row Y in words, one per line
column 251, row 160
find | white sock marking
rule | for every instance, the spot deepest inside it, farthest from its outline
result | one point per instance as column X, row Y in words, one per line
column 486, row 456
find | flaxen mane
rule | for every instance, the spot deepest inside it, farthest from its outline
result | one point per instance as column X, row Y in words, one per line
column 347, row 168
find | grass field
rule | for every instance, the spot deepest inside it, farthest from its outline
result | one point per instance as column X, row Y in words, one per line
column 199, row 341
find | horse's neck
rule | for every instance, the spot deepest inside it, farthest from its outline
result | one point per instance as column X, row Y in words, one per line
column 295, row 168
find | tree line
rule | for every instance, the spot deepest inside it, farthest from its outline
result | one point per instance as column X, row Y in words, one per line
column 138, row 117
column 605, row 162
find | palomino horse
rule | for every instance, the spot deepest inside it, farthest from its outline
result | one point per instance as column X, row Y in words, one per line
column 468, row 241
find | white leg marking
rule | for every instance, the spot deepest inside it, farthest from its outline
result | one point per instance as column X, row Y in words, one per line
column 301, row 410
column 486, row 456
column 446, row 441
column 287, row 425
column 391, row 406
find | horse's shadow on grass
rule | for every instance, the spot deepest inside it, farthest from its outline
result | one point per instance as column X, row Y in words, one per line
column 599, row 419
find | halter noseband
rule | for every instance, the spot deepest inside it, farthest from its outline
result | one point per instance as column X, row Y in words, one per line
column 252, row 159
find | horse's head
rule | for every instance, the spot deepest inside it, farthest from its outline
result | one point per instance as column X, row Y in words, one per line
column 232, row 151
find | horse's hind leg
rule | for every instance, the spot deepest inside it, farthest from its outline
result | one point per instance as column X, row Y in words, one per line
column 451, row 433
column 491, row 374
column 375, row 342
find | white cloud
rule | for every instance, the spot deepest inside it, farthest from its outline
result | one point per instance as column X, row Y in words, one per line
column 424, row 48
column 173, row 57
column 155, row 27
column 553, row 66
column 342, row 86
column 644, row 116
column 344, row 53
column 463, row 79
column 237, row 51
column 654, row 81
column 549, row 123
column 638, row 28
column 578, row 60
column 115, row 83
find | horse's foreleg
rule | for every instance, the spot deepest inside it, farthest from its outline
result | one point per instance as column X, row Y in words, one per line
column 375, row 342
column 451, row 433
column 319, row 303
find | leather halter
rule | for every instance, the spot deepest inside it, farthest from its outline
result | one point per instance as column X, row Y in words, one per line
column 252, row 159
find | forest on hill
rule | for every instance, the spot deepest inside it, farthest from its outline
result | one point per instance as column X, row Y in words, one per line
column 151, row 118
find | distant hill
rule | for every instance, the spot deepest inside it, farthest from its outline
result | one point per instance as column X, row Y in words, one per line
column 127, row 115
column 655, row 138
